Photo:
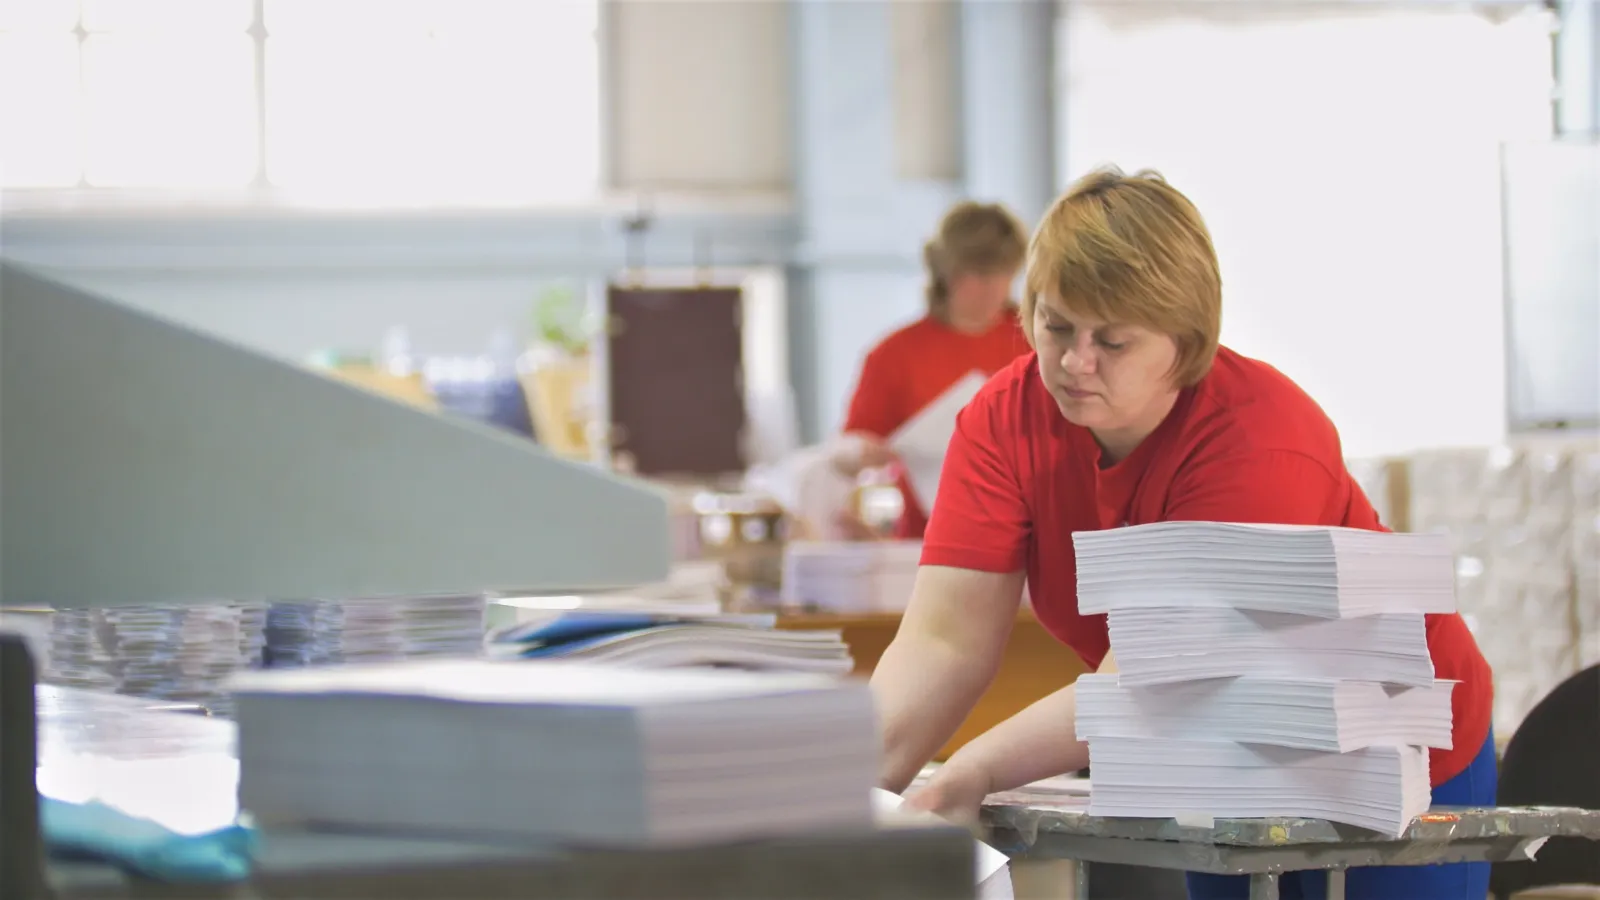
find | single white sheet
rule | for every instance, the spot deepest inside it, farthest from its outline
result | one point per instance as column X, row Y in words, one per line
column 992, row 874
column 921, row 443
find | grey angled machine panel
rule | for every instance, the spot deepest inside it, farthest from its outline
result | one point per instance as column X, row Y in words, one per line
column 143, row 462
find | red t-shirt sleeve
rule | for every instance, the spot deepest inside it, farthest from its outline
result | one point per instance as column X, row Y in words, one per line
column 1272, row 487
column 875, row 405
column 981, row 520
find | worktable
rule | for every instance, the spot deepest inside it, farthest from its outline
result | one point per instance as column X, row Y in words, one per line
column 178, row 769
column 178, row 757
column 1033, row 666
column 1045, row 825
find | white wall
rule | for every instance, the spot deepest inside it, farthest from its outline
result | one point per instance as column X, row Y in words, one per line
column 1348, row 167
column 927, row 96
column 698, row 94
column 1552, row 259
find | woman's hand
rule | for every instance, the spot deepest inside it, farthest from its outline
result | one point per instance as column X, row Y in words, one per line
column 858, row 451
column 850, row 527
column 955, row 792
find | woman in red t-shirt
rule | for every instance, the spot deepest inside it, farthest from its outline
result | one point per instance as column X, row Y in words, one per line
column 1128, row 412
column 970, row 326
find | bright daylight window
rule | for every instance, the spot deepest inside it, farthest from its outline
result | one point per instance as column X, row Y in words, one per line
column 426, row 101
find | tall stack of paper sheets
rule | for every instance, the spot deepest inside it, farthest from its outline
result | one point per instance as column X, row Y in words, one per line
column 576, row 753
column 1264, row 671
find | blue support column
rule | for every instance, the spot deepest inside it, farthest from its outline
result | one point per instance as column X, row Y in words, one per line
column 1008, row 102
column 857, row 271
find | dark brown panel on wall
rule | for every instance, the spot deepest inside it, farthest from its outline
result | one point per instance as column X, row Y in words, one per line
column 676, row 363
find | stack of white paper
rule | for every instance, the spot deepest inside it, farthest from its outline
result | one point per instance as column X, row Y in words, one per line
column 1156, row 645
column 1264, row 671
column 1381, row 788
column 573, row 752
column 1329, row 573
column 850, row 577
column 1305, row 713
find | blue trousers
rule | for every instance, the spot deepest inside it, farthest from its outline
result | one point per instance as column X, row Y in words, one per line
column 1453, row 881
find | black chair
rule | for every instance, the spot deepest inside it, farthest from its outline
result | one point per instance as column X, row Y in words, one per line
column 21, row 847
column 1554, row 760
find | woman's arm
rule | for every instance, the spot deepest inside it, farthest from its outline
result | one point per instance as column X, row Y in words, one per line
column 943, row 657
column 966, row 594
column 1039, row 742
column 874, row 414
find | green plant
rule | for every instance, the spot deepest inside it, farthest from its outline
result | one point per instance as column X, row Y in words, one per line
column 558, row 318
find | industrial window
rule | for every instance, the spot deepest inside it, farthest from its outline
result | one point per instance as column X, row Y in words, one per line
column 1347, row 159
column 336, row 101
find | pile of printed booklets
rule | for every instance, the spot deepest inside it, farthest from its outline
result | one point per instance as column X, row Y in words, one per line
column 1264, row 671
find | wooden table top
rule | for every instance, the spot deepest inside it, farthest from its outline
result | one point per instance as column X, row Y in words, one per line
column 862, row 619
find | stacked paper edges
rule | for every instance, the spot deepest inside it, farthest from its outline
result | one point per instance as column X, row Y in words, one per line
column 1264, row 671
column 577, row 753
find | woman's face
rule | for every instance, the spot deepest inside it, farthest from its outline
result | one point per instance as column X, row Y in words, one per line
column 1111, row 378
column 980, row 298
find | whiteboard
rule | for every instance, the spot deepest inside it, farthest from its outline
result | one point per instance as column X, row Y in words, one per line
column 1551, row 207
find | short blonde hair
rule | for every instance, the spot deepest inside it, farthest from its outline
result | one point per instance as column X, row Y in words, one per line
column 1131, row 249
column 976, row 238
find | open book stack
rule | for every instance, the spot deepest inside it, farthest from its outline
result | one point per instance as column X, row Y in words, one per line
column 850, row 576
column 576, row 753
column 660, row 638
column 1264, row 671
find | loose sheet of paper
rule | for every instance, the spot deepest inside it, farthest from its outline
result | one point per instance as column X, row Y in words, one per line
column 921, row 442
column 807, row 484
column 992, row 872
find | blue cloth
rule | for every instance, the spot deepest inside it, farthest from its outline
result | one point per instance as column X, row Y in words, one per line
column 98, row 833
column 1451, row 881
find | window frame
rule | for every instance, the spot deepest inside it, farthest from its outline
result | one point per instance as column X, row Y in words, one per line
column 262, row 200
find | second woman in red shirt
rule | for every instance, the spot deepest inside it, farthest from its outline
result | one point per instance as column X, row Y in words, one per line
column 970, row 326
